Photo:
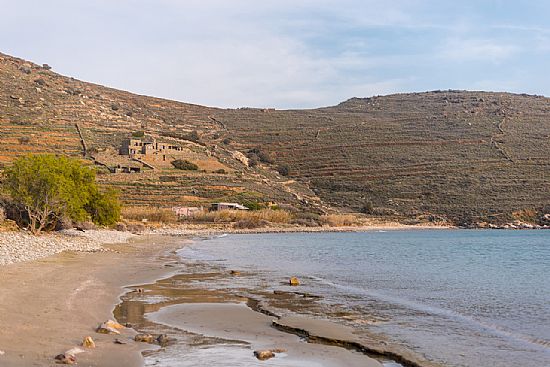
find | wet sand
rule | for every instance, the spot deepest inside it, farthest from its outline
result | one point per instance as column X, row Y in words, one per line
column 236, row 321
column 48, row 306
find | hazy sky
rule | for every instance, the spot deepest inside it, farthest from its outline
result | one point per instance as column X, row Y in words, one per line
column 285, row 53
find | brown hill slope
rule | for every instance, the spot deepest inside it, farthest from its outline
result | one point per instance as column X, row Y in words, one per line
column 463, row 155
column 39, row 111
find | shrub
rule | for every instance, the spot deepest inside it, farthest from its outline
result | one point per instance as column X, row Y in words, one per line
column 338, row 220
column 104, row 207
column 254, row 205
column 252, row 162
column 228, row 216
column 265, row 157
column 260, row 155
column 220, row 171
column 24, row 140
column 526, row 215
column 138, row 134
column 49, row 187
column 307, row 219
column 184, row 164
column 158, row 215
column 283, row 169
column 305, row 222
column 250, row 223
column 193, row 136
column 368, row 208
column 64, row 223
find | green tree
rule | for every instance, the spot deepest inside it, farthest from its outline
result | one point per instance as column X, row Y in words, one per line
column 104, row 207
column 184, row 164
column 50, row 187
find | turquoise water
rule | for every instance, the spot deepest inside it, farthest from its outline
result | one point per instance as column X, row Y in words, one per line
column 459, row 297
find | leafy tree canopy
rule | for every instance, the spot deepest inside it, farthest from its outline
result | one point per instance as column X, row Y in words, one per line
column 50, row 187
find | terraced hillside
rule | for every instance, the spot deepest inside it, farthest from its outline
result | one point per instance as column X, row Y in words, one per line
column 464, row 155
column 467, row 156
column 41, row 111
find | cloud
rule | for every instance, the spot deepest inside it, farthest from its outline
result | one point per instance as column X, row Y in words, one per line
column 477, row 50
column 275, row 53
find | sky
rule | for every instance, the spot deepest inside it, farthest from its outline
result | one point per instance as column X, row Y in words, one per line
column 285, row 53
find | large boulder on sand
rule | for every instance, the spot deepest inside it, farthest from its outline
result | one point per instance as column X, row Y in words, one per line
column 294, row 281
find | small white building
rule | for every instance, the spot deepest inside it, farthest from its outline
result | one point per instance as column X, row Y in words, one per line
column 227, row 206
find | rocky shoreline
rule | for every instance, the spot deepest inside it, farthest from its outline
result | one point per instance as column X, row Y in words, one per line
column 21, row 246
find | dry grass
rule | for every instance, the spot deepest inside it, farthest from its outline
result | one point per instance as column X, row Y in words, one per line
column 158, row 215
column 526, row 215
column 228, row 216
column 339, row 220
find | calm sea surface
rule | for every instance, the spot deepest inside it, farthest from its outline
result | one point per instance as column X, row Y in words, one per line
column 460, row 297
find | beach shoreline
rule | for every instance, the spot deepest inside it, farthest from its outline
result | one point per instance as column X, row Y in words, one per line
column 49, row 305
column 189, row 302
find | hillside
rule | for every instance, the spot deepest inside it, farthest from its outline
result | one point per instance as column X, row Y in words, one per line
column 467, row 156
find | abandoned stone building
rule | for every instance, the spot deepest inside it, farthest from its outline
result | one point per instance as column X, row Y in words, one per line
column 148, row 147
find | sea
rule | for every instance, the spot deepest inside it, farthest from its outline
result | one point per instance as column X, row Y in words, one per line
column 455, row 297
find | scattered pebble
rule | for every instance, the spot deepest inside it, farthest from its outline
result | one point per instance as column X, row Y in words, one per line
column 20, row 246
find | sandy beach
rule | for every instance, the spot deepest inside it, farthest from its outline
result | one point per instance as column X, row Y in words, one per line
column 48, row 306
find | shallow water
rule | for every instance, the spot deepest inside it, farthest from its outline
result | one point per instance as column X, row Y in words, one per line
column 458, row 297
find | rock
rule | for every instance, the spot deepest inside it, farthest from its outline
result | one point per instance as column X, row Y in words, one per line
column 263, row 355
column 65, row 359
column 25, row 69
column 163, row 340
column 278, row 350
column 69, row 357
column 235, row 272
column 88, row 342
column 109, row 327
column 118, row 341
column 145, row 338
column 102, row 329
column 294, row 281
column 114, row 324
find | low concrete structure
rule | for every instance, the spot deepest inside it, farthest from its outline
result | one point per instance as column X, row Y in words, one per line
column 227, row 206
column 185, row 212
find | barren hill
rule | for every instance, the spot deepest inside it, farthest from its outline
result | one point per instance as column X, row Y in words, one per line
column 467, row 156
